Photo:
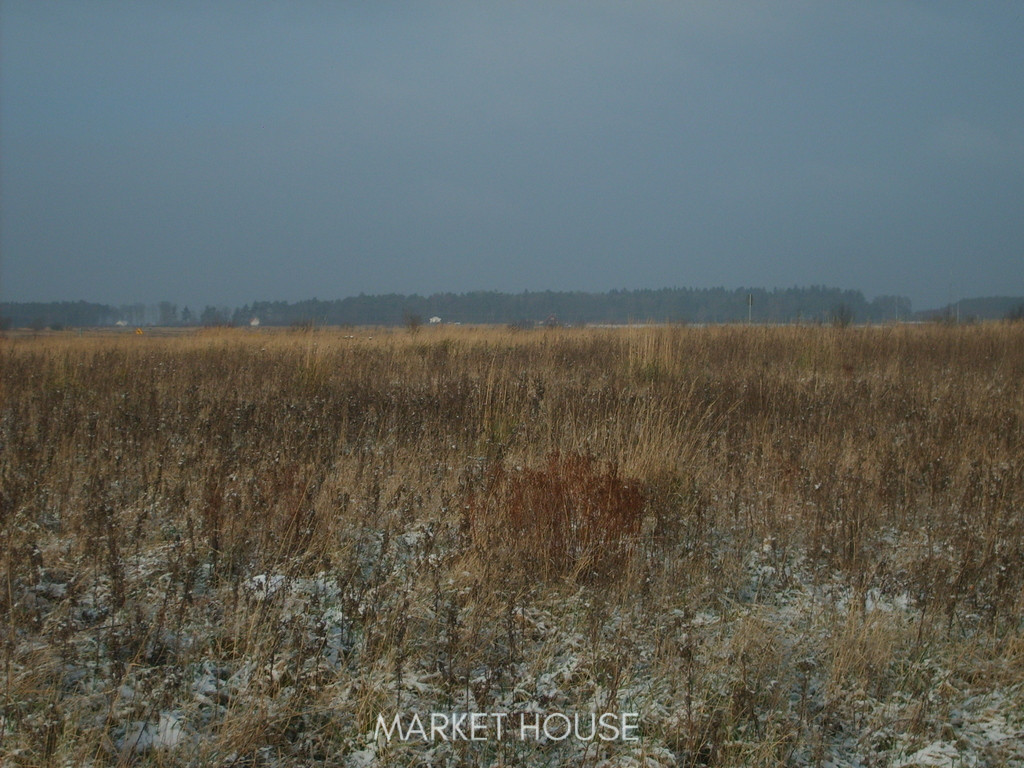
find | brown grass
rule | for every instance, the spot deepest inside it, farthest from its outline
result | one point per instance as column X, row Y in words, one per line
column 770, row 540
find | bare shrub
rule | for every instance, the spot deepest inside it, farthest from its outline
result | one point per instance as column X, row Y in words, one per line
column 570, row 517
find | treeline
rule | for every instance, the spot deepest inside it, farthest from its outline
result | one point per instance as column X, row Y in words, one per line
column 690, row 305
column 678, row 305
column 986, row 308
column 56, row 314
column 674, row 305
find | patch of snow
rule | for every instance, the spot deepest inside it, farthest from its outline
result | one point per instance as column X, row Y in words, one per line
column 172, row 731
column 940, row 754
column 138, row 737
column 263, row 586
column 362, row 758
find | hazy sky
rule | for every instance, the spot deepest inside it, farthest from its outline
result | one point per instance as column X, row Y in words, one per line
column 220, row 153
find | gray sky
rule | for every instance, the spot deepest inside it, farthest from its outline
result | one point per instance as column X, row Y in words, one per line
column 220, row 153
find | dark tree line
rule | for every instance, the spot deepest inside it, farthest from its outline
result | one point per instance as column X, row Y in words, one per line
column 678, row 305
column 689, row 305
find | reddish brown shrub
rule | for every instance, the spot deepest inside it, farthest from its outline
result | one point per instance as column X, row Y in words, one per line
column 573, row 516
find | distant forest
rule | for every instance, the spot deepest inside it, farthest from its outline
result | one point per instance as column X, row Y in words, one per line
column 673, row 305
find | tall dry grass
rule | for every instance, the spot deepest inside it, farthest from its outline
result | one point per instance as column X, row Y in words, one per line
column 270, row 537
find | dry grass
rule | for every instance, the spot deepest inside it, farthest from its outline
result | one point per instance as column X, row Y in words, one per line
column 780, row 545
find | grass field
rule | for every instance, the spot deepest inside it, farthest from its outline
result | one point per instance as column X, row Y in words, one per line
column 777, row 545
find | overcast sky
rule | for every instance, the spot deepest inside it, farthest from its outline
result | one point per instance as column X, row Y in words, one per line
column 221, row 153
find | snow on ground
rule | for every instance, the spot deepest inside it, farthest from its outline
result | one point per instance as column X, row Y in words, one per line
column 795, row 666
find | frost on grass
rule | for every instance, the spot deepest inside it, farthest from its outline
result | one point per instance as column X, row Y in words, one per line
column 814, row 673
